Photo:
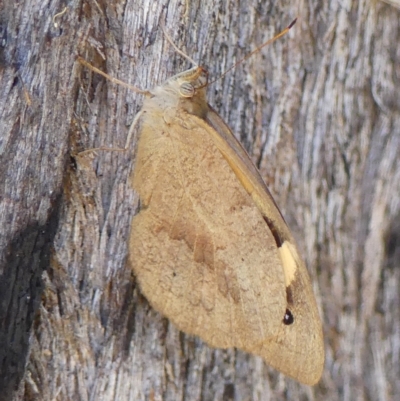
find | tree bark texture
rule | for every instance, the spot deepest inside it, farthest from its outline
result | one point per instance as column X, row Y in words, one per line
column 319, row 111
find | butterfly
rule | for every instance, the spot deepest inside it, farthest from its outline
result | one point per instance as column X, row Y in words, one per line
column 209, row 247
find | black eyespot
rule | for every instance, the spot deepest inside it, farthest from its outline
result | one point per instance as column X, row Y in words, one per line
column 288, row 318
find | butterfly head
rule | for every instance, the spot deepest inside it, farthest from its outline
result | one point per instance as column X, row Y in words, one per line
column 185, row 91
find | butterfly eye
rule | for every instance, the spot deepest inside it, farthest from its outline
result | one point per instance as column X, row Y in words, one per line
column 288, row 318
column 187, row 89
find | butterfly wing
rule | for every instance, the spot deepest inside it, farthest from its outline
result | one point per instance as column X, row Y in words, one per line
column 298, row 350
column 209, row 247
column 199, row 246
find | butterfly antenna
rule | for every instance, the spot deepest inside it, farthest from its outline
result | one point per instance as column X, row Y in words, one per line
column 110, row 78
column 268, row 42
column 179, row 51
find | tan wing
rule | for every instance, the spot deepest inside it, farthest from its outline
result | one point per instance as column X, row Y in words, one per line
column 200, row 248
column 298, row 350
column 210, row 248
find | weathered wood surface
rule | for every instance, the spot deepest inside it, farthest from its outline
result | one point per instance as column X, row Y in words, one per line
column 320, row 112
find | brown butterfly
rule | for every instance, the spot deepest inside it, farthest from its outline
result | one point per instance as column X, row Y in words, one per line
column 209, row 246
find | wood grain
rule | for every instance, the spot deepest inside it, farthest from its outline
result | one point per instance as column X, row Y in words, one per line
column 319, row 112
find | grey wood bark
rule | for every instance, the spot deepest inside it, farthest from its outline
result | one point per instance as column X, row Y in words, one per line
column 320, row 112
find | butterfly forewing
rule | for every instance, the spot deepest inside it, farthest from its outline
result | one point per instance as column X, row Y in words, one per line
column 199, row 246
